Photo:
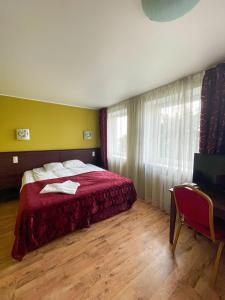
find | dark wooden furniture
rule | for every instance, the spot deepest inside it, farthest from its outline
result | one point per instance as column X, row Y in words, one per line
column 218, row 199
column 11, row 174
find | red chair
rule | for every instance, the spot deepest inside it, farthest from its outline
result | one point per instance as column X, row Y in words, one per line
column 195, row 209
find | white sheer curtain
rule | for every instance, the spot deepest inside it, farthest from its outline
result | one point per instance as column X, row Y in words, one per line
column 117, row 138
column 152, row 138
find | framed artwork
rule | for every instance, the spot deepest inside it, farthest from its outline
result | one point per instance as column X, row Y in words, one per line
column 22, row 134
column 87, row 135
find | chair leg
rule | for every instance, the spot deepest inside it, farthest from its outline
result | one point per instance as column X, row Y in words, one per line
column 176, row 237
column 217, row 262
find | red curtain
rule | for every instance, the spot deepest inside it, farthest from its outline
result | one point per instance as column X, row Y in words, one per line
column 212, row 124
column 103, row 136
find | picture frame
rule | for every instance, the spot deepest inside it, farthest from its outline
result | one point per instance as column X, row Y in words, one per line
column 87, row 135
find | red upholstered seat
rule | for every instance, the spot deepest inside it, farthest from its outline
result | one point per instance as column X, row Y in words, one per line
column 195, row 209
column 205, row 230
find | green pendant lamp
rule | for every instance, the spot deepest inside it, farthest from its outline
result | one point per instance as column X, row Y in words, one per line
column 167, row 10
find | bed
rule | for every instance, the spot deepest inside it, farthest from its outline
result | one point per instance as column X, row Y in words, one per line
column 42, row 218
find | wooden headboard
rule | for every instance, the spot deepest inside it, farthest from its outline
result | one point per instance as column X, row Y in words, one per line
column 11, row 173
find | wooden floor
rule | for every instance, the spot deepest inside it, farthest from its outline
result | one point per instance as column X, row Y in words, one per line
column 125, row 257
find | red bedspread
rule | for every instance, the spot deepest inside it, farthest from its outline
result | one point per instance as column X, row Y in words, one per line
column 44, row 217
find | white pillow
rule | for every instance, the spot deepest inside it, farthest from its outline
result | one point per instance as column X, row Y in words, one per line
column 53, row 166
column 44, row 175
column 73, row 164
column 39, row 170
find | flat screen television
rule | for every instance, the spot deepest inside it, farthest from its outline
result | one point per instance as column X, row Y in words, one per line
column 209, row 171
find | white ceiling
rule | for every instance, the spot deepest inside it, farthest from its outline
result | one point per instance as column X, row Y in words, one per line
column 94, row 53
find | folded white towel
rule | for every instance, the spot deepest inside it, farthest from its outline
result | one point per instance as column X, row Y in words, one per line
column 66, row 187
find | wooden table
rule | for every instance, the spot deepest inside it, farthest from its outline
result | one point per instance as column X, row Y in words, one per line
column 218, row 202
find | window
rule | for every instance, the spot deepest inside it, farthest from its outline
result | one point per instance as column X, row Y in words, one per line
column 117, row 133
column 152, row 138
column 170, row 128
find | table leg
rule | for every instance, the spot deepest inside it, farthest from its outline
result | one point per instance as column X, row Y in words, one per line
column 173, row 213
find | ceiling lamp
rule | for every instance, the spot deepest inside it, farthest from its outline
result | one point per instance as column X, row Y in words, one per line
column 167, row 10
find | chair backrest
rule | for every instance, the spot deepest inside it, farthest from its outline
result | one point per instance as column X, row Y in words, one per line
column 195, row 206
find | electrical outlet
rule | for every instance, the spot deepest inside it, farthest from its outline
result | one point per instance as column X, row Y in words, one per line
column 93, row 153
column 15, row 160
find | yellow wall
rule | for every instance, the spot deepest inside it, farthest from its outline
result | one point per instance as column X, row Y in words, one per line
column 52, row 126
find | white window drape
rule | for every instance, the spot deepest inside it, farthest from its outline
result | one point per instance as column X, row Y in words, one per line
column 117, row 138
column 152, row 138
